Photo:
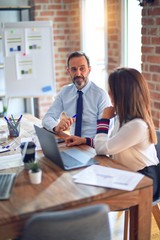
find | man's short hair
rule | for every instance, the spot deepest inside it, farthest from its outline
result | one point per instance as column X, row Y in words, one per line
column 78, row 54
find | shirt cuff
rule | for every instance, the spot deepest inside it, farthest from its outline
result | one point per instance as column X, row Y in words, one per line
column 103, row 125
column 54, row 131
column 89, row 142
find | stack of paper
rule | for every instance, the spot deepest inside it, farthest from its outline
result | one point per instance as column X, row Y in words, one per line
column 11, row 161
column 108, row 177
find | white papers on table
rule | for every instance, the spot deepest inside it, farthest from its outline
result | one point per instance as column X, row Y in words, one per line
column 3, row 149
column 2, row 121
column 11, row 161
column 108, row 177
column 26, row 139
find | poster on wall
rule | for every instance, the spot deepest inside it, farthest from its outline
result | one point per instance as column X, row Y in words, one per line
column 25, row 68
column 14, row 41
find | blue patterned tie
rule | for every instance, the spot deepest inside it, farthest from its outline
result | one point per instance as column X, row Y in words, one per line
column 79, row 110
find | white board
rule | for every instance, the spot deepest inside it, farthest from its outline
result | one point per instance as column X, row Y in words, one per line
column 29, row 64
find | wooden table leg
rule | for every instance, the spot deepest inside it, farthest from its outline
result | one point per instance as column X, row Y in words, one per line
column 140, row 216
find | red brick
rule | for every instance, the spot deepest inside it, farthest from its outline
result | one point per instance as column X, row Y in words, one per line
column 66, row 29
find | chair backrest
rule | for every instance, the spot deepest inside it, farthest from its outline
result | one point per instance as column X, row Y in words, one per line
column 158, row 144
column 86, row 223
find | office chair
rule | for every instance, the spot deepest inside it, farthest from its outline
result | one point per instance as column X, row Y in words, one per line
column 155, row 204
column 87, row 223
column 158, row 144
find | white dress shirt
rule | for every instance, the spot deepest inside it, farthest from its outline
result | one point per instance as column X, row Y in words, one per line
column 128, row 145
column 95, row 100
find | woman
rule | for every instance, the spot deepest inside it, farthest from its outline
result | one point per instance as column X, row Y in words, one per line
column 133, row 138
column 132, row 141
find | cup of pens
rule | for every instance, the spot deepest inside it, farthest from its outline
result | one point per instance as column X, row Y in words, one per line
column 13, row 126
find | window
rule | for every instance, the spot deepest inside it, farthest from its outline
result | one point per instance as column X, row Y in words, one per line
column 93, row 38
column 131, row 34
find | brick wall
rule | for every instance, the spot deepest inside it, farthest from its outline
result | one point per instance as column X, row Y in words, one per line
column 114, row 39
column 151, row 54
column 150, row 47
column 65, row 15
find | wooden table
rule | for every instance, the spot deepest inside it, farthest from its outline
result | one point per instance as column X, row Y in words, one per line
column 58, row 192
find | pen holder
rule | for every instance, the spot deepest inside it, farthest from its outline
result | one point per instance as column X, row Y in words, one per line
column 13, row 128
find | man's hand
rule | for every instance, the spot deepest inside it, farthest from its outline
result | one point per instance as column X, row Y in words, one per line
column 64, row 124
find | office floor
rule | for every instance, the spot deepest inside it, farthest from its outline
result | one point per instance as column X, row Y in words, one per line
column 117, row 221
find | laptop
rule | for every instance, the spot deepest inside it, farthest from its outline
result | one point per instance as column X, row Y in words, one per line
column 6, row 185
column 68, row 159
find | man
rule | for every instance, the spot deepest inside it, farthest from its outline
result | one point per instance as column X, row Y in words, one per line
column 95, row 100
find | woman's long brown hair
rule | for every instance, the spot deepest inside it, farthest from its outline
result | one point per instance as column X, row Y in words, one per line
column 131, row 97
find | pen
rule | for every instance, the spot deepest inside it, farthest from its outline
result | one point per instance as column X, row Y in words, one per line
column 7, row 150
column 6, row 119
column 19, row 119
column 74, row 116
column 13, row 119
column 9, row 145
column 9, row 123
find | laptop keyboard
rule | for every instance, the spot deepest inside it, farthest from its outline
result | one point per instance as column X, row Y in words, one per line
column 70, row 161
column 6, row 184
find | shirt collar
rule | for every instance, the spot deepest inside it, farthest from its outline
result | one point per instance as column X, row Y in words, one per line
column 85, row 89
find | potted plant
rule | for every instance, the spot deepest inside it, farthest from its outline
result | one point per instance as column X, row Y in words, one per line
column 35, row 172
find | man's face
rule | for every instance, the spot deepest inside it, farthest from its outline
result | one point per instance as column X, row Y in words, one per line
column 79, row 71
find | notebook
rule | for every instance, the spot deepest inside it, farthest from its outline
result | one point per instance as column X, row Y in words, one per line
column 11, row 161
column 68, row 159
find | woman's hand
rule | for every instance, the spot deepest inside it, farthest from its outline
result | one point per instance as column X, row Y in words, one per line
column 108, row 113
column 74, row 140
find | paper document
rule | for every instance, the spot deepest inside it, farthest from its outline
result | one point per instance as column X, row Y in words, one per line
column 11, row 161
column 3, row 149
column 108, row 177
column 27, row 139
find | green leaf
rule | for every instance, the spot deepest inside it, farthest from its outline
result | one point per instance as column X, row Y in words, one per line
column 34, row 166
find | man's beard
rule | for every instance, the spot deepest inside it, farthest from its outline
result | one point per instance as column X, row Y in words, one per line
column 79, row 81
